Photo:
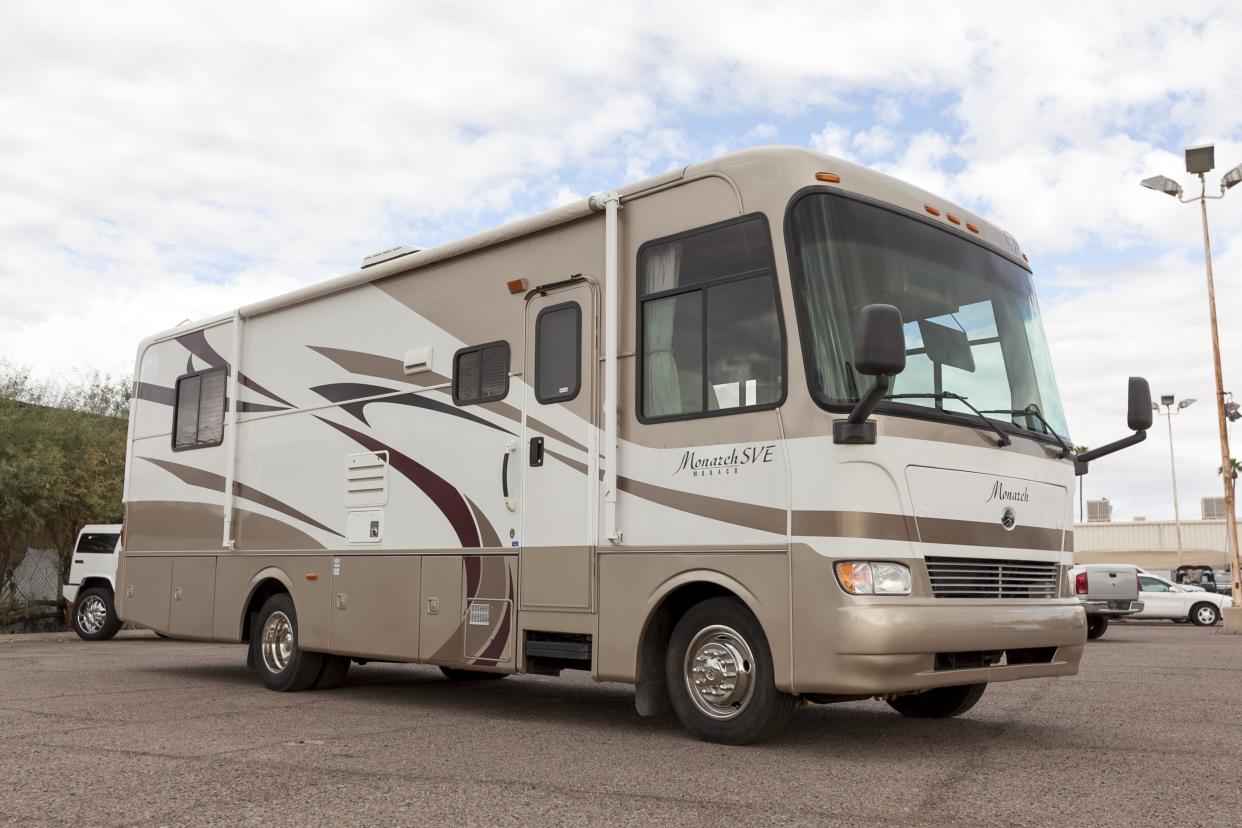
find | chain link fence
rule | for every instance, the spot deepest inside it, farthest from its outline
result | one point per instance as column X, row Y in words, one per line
column 30, row 598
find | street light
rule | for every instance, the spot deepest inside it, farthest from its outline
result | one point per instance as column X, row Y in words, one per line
column 1170, row 408
column 1200, row 161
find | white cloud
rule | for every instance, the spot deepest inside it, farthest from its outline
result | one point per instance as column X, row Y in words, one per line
column 162, row 161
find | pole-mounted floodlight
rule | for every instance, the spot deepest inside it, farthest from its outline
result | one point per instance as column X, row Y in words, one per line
column 1200, row 159
column 1233, row 411
column 1166, row 399
column 1189, row 401
column 1232, row 177
column 1163, row 184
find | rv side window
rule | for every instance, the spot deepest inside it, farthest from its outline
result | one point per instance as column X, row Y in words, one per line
column 558, row 353
column 481, row 373
column 710, row 333
column 198, row 418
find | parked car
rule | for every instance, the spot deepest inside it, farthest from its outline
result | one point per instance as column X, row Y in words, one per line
column 92, row 582
column 1211, row 580
column 1164, row 599
column 1106, row 591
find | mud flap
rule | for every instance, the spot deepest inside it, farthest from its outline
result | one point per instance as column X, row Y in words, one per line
column 651, row 698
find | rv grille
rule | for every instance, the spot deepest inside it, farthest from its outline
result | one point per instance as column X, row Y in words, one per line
column 990, row 578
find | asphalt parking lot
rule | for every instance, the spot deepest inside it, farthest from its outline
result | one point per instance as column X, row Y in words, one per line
column 143, row 731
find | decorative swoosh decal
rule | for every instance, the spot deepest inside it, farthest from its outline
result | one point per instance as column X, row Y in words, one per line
column 341, row 391
column 374, row 365
column 196, row 343
column 203, row 479
column 451, row 503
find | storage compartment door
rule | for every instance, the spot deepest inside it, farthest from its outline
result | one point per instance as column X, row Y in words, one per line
column 143, row 598
column 193, row 597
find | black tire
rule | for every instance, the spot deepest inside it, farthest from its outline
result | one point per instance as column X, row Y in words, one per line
column 939, row 703
column 459, row 674
column 1204, row 614
column 1096, row 625
column 282, row 665
column 715, row 634
column 332, row 673
column 94, row 615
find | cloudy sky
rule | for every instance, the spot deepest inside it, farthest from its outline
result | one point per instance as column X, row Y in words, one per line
column 164, row 161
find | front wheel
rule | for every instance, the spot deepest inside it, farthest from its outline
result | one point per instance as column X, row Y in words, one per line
column 281, row 664
column 1204, row 615
column 94, row 615
column 1096, row 625
column 940, row 703
column 720, row 677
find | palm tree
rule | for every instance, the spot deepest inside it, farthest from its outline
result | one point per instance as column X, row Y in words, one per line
column 1234, row 468
column 1080, row 450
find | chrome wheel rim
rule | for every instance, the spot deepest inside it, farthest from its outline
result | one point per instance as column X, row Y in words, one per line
column 719, row 672
column 92, row 614
column 1207, row 615
column 277, row 642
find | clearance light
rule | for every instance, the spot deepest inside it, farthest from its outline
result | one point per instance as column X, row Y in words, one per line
column 933, row 210
column 953, row 218
column 831, row 178
column 311, row 576
column 873, row 578
column 517, row 285
column 972, row 228
column 1025, row 259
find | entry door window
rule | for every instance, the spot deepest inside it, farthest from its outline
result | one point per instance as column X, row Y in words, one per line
column 558, row 353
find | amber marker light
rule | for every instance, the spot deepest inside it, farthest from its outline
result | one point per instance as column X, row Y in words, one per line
column 972, row 228
column 952, row 218
column 933, row 210
column 831, row 178
column 517, row 285
column 855, row 577
column 311, row 576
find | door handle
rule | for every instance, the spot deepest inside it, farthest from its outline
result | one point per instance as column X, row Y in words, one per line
column 536, row 451
column 510, row 502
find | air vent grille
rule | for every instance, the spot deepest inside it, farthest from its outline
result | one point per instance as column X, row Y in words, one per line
column 991, row 578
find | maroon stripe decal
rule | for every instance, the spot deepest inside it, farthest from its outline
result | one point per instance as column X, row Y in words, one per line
column 447, row 499
column 474, row 574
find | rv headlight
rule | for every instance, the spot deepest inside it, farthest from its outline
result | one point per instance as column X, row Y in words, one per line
column 873, row 578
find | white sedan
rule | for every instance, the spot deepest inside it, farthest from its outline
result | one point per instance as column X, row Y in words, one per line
column 1165, row 599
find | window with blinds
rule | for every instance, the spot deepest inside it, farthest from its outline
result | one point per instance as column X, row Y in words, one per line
column 481, row 373
column 198, row 416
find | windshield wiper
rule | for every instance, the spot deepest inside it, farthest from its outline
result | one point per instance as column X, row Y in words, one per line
column 1032, row 410
column 1002, row 439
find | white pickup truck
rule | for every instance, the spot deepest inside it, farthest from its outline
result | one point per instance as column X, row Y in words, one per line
column 92, row 582
column 1106, row 591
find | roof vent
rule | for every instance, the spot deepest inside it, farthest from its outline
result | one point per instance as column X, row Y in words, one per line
column 388, row 255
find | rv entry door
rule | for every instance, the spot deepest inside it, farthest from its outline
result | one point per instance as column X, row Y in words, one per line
column 561, row 480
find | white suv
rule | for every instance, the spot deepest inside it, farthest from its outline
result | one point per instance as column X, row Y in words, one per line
column 92, row 582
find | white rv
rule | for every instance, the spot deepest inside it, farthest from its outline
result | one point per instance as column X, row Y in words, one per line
column 765, row 428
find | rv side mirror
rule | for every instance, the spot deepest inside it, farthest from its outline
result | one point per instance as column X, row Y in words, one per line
column 880, row 352
column 879, row 342
column 1139, row 416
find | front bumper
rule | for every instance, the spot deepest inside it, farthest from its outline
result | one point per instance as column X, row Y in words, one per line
column 1106, row 608
column 892, row 645
column 70, row 591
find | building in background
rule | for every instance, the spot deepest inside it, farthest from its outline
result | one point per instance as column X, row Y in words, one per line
column 1099, row 511
column 1151, row 544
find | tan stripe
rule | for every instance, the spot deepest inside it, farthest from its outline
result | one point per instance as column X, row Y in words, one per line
column 373, row 365
column 549, row 431
column 749, row 515
column 975, row 533
column 573, row 464
column 487, row 532
column 875, row 525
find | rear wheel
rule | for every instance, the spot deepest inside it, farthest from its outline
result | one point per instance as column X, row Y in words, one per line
column 720, row 677
column 94, row 615
column 939, row 703
column 1205, row 614
column 458, row 674
column 279, row 661
column 1096, row 625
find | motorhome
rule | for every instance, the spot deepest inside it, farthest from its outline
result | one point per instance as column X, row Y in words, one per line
column 767, row 429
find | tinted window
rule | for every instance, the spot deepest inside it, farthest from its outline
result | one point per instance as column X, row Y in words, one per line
column 94, row 543
column 198, row 419
column 558, row 353
column 710, row 331
column 1152, row 585
column 481, row 373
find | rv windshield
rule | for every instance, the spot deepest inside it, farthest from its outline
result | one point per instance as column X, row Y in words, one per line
column 971, row 322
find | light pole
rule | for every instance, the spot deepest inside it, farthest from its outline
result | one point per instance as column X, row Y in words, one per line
column 1200, row 161
column 1169, row 410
